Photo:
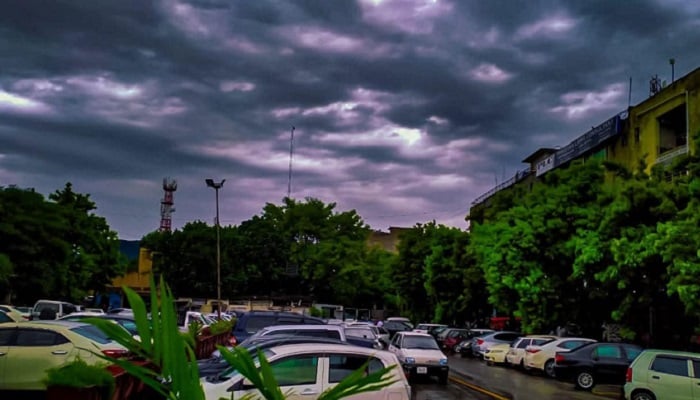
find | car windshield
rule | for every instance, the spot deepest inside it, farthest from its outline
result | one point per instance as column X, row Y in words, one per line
column 231, row 372
column 420, row 342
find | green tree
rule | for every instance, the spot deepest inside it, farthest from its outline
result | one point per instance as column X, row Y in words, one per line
column 526, row 252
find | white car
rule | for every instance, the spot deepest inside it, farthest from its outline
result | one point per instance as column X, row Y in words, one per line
column 426, row 328
column 516, row 354
column 307, row 370
column 420, row 355
column 542, row 357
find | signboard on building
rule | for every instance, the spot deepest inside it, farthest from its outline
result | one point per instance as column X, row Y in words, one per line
column 588, row 141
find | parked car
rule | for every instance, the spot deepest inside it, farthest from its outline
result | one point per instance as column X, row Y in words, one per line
column 320, row 330
column 482, row 343
column 426, row 328
column 516, row 353
column 454, row 337
column 9, row 317
column 663, row 374
column 215, row 367
column 13, row 313
column 25, row 311
column 368, row 332
column 595, row 363
column 400, row 319
column 51, row 309
column 252, row 321
column 396, row 326
column 496, row 354
column 126, row 321
column 420, row 355
column 31, row 348
column 541, row 357
column 312, row 368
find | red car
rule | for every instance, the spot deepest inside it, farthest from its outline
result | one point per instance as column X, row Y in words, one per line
column 454, row 336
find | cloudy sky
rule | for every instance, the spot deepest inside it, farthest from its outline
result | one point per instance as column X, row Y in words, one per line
column 404, row 110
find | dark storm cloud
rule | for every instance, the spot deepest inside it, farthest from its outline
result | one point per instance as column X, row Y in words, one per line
column 405, row 110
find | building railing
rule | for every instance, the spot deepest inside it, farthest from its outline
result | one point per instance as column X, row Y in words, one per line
column 671, row 154
column 519, row 176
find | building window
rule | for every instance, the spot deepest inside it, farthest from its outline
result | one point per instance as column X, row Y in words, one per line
column 672, row 129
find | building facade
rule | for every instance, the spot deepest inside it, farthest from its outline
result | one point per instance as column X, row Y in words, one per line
column 651, row 133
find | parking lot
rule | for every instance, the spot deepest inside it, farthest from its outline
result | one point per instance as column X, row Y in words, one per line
column 498, row 382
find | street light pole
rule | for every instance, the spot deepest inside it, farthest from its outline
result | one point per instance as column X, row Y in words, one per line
column 217, row 186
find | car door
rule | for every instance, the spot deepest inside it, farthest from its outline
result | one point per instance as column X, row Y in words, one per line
column 609, row 362
column 342, row 365
column 517, row 352
column 32, row 352
column 6, row 336
column 696, row 379
column 301, row 376
column 395, row 347
column 669, row 378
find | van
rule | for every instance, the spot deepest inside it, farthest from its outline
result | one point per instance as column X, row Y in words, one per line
column 252, row 321
column 51, row 309
column 663, row 374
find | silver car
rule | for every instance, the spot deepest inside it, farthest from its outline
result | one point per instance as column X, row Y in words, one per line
column 482, row 343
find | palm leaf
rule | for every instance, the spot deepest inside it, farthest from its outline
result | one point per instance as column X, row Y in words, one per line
column 357, row 382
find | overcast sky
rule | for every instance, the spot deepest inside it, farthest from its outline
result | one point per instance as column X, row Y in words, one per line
column 404, row 110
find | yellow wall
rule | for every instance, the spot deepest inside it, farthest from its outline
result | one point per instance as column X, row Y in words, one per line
column 644, row 117
column 138, row 279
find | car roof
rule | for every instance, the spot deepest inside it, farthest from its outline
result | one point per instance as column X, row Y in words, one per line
column 288, row 349
column 302, row 327
column 671, row 353
column 412, row 333
column 45, row 324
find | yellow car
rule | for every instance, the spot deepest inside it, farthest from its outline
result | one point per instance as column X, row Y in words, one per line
column 29, row 349
column 13, row 313
column 496, row 354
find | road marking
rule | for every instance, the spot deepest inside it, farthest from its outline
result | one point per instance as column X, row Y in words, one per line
column 478, row 388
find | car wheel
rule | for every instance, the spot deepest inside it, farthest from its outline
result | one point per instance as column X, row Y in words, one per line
column 585, row 380
column 442, row 379
column 643, row 395
column 522, row 364
column 549, row 368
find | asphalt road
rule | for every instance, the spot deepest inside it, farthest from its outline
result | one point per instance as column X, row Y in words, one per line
column 506, row 383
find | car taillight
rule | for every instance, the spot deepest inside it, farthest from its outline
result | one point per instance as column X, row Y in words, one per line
column 479, row 341
column 533, row 351
column 628, row 375
column 115, row 353
column 559, row 358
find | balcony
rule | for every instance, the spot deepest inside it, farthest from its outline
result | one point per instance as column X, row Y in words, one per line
column 666, row 157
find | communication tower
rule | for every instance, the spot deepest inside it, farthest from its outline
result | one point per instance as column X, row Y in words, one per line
column 166, row 205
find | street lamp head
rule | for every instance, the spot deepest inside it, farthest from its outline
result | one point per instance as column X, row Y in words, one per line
column 210, row 182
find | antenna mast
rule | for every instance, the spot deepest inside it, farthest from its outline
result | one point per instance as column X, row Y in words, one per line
column 166, row 205
column 291, row 153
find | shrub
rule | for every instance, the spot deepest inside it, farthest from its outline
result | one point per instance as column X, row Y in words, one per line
column 221, row 326
column 79, row 374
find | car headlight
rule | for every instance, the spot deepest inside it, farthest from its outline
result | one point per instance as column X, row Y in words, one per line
column 410, row 360
column 443, row 361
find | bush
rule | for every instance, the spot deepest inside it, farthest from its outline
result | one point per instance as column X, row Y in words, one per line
column 79, row 374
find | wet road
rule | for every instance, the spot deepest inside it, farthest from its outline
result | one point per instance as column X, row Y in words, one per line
column 430, row 390
column 507, row 383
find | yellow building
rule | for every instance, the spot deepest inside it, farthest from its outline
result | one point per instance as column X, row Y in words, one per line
column 138, row 279
column 653, row 132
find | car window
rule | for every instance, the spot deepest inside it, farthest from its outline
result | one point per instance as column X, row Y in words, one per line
column 68, row 308
column 290, row 321
column 343, row 365
column 696, row 368
column 523, row 343
column 300, row 370
column 93, row 333
column 4, row 318
column 6, row 336
column 46, row 306
column 632, row 352
column 38, row 337
column 420, row 342
column 129, row 326
column 506, row 337
column 571, row 344
column 607, row 351
column 255, row 323
column 670, row 365
column 540, row 342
